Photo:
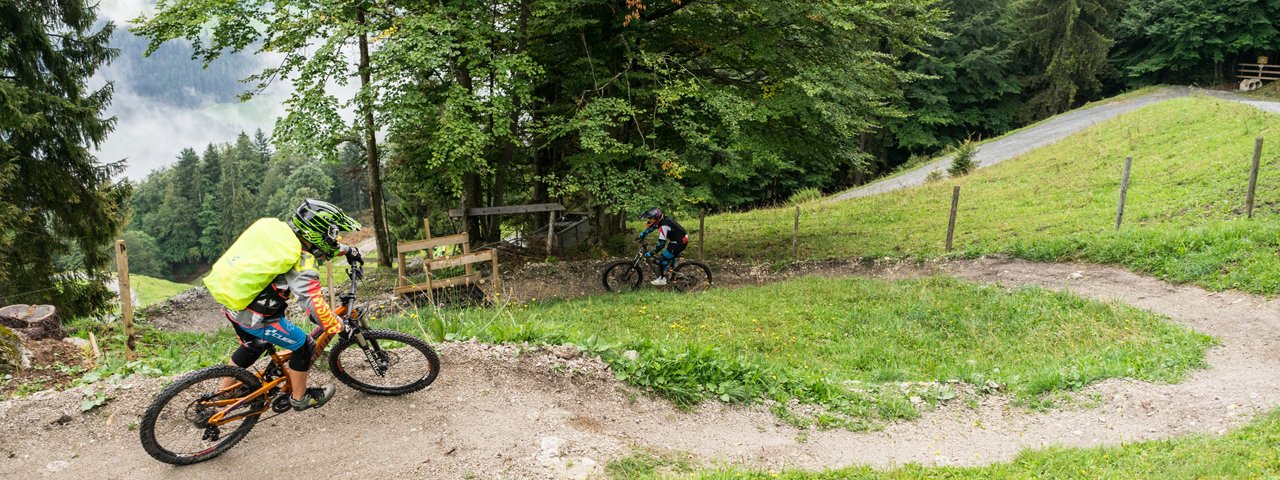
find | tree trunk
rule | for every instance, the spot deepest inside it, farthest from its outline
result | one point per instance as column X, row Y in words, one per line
column 376, row 203
column 35, row 322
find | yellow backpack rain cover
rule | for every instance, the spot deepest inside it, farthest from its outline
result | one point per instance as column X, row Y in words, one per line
column 266, row 249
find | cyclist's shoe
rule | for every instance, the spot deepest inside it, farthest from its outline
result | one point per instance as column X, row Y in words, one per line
column 660, row 281
column 315, row 398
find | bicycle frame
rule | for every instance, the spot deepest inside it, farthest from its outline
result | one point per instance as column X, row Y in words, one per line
column 353, row 322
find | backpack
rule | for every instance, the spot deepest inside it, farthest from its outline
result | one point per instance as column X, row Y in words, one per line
column 266, row 249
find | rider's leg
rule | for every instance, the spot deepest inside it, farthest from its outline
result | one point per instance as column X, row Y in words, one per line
column 299, row 368
column 245, row 355
column 672, row 254
column 285, row 334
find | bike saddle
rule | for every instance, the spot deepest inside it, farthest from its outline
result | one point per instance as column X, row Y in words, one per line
column 259, row 344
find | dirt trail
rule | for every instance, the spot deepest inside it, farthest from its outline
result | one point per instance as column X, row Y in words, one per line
column 497, row 413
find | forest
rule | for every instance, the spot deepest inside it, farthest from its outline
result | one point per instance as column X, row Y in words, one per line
column 606, row 106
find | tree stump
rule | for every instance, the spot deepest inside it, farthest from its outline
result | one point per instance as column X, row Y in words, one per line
column 35, row 322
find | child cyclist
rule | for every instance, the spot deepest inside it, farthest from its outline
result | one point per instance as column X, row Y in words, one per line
column 255, row 277
column 672, row 239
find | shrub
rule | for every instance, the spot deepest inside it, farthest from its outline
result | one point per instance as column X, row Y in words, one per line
column 934, row 176
column 805, row 195
column 962, row 161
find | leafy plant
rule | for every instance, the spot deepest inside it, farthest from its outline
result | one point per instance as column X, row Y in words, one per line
column 93, row 399
column 805, row 195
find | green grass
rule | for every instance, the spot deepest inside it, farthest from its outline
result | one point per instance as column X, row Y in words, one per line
column 1249, row 452
column 921, row 161
column 1184, row 219
column 847, row 343
column 151, row 290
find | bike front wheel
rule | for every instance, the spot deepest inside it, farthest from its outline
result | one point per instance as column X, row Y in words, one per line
column 692, row 276
column 621, row 276
column 390, row 363
column 176, row 427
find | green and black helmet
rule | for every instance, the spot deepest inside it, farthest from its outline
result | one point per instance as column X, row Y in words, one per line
column 319, row 222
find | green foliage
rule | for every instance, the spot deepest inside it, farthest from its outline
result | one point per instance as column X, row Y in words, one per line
column 144, row 256
column 962, row 159
column 1068, row 42
column 973, row 84
column 805, row 195
column 186, row 215
column 58, row 199
column 1188, row 40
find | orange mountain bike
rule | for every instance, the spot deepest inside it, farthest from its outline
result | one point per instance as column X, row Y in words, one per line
column 206, row 412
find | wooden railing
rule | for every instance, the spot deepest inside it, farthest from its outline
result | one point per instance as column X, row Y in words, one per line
column 1258, row 71
column 432, row 263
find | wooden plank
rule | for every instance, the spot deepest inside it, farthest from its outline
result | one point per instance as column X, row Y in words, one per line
column 448, row 282
column 510, row 209
column 417, row 245
column 1266, row 66
column 464, row 259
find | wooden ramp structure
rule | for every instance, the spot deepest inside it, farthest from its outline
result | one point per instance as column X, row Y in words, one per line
column 433, row 263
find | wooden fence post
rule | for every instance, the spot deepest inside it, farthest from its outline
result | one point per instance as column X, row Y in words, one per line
column 702, row 231
column 551, row 230
column 328, row 281
column 951, row 223
column 126, row 300
column 1124, row 191
column 795, row 237
column 1253, row 176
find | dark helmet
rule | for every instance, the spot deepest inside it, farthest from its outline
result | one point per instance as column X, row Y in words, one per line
column 654, row 215
column 319, row 222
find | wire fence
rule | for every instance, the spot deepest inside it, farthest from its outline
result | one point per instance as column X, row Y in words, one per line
column 797, row 232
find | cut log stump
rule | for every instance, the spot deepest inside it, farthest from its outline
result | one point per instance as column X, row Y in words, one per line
column 34, row 322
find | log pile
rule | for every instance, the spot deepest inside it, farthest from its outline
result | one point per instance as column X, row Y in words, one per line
column 33, row 322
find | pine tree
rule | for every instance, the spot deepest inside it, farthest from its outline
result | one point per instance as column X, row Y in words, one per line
column 1068, row 42
column 50, row 121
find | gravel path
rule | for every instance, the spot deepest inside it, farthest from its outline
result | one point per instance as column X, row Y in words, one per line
column 500, row 412
column 1045, row 133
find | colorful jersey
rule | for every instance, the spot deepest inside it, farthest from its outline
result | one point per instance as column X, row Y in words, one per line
column 668, row 231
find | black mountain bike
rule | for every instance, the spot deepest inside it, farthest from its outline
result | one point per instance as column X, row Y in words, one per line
column 206, row 412
column 684, row 275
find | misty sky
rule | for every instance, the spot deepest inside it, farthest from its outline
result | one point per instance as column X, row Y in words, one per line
column 150, row 133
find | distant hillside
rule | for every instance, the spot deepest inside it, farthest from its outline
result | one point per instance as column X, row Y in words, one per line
column 172, row 77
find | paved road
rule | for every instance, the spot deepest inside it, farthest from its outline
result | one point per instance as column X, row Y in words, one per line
column 1045, row 133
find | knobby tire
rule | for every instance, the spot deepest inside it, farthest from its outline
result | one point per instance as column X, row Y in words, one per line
column 413, row 347
column 147, row 428
column 626, row 271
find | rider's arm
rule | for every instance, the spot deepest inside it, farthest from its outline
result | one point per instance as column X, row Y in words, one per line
column 304, row 281
column 647, row 231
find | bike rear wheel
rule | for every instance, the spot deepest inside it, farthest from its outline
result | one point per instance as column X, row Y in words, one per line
column 692, row 276
column 174, row 429
column 392, row 363
column 621, row 276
